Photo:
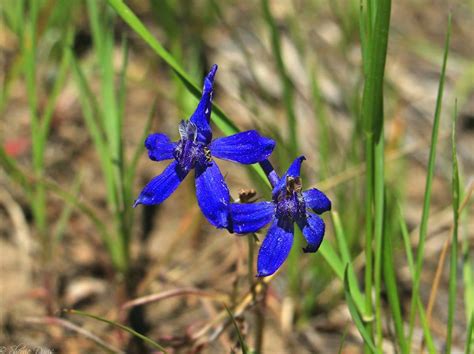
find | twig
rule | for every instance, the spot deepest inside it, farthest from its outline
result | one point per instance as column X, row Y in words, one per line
column 144, row 300
column 56, row 321
column 239, row 309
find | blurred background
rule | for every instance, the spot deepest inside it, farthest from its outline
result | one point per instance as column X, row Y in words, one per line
column 79, row 92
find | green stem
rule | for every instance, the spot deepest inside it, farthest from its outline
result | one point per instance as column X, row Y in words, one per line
column 454, row 242
column 250, row 275
column 369, row 186
column 379, row 231
column 374, row 56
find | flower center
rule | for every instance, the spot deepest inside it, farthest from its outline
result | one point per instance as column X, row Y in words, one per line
column 290, row 202
column 189, row 151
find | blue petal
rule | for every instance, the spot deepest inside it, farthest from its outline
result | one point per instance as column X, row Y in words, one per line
column 159, row 147
column 212, row 194
column 161, row 187
column 293, row 170
column 313, row 230
column 275, row 248
column 202, row 115
column 246, row 147
column 250, row 217
column 317, row 200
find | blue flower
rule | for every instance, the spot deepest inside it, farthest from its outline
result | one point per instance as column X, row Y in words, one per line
column 289, row 205
column 195, row 150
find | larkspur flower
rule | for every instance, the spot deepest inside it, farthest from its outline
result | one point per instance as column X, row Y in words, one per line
column 195, row 150
column 289, row 205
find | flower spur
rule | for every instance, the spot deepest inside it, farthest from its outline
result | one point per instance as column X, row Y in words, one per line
column 289, row 205
column 195, row 150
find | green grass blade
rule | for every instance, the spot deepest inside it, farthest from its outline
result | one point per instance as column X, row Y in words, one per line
column 90, row 114
column 124, row 212
column 467, row 255
column 468, row 278
column 406, row 241
column 334, row 261
column 364, row 33
column 453, row 274
column 392, row 293
column 103, row 40
column 10, row 166
column 372, row 15
column 411, row 267
column 106, row 127
column 147, row 340
column 372, row 100
column 330, row 256
column 61, row 224
column 102, row 35
column 121, row 94
column 222, row 121
column 429, row 180
column 346, row 259
column 242, row 343
column 369, row 232
column 117, row 249
column 13, row 16
column 341, row 237
column 470, row 335
column 355, row 314
column 57, row 87
column 288, row 91
column 379, row 227
column 30, row 53
column 95, row 25
column 343, row 340
column 374, row 57
column 426, row 328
